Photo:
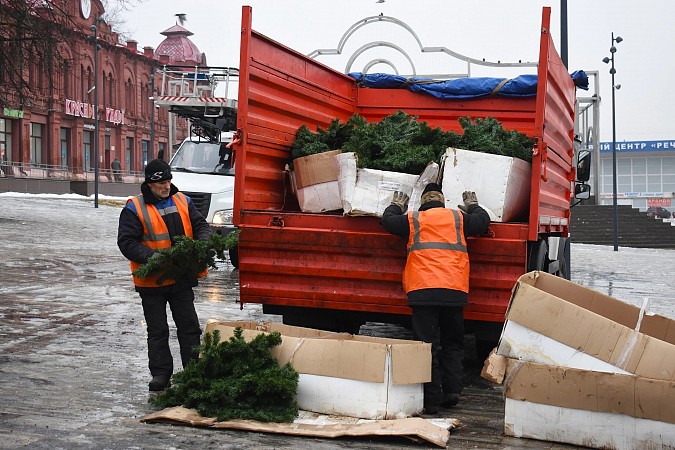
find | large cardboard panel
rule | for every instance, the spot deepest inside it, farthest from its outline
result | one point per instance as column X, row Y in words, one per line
column 359, row 376
column 568, row 320
column 593, row 409
column 315, row 169
column 501, row 183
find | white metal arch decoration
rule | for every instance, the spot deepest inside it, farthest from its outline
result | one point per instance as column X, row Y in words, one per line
column 437, row 49
column 366, row 47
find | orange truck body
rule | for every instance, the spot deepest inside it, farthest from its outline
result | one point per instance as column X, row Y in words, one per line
column 349, row 268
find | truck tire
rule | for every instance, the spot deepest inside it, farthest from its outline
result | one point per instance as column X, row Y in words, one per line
column 537, row 256
column 234, row 256
column 563, row 259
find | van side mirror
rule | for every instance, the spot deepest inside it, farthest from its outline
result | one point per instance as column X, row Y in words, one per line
column 582, row 191
column 584, row 166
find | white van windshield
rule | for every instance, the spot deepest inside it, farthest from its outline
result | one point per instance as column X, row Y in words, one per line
column 203, row 157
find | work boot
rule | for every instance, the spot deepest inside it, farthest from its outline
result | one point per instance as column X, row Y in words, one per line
column 159, row 382
column 450, row 399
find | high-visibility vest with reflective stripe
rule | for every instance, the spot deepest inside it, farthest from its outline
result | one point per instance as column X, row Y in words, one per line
column 156, row 234
column 437, row 255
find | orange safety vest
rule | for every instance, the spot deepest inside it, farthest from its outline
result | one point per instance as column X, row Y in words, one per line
column 156, row 234
column 437, row 255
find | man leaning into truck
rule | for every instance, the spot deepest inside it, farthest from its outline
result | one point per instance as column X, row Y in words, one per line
column 436, row 281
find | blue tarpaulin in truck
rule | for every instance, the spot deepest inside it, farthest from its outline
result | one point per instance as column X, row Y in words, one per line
column 461, row 88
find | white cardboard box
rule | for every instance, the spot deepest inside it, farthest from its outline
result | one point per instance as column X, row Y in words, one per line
column 585, row 368
column 343, row 374
column 501, row 183
column 314, row 179
column 368, row 192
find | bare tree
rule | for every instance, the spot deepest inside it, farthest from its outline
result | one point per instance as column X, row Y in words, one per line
column 31, row 34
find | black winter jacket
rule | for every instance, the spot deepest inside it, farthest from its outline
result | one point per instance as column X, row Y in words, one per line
column 130, row 234
column 476, row 222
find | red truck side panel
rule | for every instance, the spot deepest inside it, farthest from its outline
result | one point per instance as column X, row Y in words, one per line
column 291, row 258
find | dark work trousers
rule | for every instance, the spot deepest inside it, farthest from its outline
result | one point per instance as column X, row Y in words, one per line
column 188, row 330
column 443, row 328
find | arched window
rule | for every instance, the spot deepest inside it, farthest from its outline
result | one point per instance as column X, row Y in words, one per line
column 130, row 98
column 67, row 79
column 103, row 96
column 91, row 82
column 111, row 98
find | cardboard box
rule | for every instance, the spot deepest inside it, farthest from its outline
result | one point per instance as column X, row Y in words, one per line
column 553, row 320
column 585, row 368
column 501, row 183
column 368, row 192
column 592, row 409
column 342, row 374
column 315, row 182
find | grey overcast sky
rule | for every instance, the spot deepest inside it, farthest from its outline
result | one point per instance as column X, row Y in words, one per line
column 492, row 29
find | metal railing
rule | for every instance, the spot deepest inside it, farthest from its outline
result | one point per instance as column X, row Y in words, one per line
column 54, row 172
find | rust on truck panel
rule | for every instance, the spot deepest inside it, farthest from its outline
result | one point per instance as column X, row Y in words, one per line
column 330, row 261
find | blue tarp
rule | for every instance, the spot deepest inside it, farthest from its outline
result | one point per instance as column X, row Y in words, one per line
column 462, row 88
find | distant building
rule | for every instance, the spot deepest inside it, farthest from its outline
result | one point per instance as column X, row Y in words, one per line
column 645, row 173
column 57, row 131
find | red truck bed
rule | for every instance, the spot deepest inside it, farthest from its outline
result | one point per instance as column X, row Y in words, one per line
column 288, row 258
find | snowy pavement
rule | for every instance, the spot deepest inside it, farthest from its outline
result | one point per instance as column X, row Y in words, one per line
column 73, row 370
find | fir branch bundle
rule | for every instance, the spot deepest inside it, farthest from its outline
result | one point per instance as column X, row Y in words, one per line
column 188, row 257
column 400, row 143
column 236, row 379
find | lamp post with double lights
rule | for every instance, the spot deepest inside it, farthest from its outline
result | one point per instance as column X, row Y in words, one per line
column 94, row 39
column 612, row 71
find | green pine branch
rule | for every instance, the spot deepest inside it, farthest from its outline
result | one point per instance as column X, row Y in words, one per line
column 188, row 257
column 235, row 379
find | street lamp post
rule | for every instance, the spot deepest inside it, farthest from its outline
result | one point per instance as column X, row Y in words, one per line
column 94, row 40
column 612, row 71
column 152, row 115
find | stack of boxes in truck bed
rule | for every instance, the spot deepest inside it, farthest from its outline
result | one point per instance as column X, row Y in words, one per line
column 586, row 369
column 331, row 181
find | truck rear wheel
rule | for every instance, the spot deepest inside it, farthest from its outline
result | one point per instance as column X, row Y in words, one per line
column 234, row 256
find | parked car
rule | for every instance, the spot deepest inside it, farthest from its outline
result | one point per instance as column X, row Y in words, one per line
column 658, row 212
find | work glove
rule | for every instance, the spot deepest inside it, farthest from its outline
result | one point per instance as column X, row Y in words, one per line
column 400, row 199
column 470, row 199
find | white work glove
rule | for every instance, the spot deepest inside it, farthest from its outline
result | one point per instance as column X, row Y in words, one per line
column 400, row 199
column 470, row 199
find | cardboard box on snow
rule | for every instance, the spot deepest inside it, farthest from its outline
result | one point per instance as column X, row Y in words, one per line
column 587, row 408
column 368, row 192
column 586, row 368
column 342, row 374
column 553, row 320
column 501, row 183
column 315, row 181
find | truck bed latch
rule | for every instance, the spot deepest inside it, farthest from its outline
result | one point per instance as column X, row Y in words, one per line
column 276, row 222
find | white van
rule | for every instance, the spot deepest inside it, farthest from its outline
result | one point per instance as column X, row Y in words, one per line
column 204, row 171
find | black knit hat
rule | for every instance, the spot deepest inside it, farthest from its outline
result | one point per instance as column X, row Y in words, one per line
column 432, row 187
column 156, row 171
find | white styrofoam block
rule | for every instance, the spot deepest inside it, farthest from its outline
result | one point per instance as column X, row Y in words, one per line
column 585, row 428
column 501, row 183
column 320, row 197
column 367, row 192
column 364, row 399
column 522, row 343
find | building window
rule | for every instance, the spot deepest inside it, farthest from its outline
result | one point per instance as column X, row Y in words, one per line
column 65, row 144
column 87, row 138
column 111, row 98
column 144, row 152
column 128, row 153
column 130, row 98
column 35, row 143
column 160, row 153
column 6, row 138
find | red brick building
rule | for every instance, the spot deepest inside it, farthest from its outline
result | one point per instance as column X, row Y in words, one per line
column 56, row 131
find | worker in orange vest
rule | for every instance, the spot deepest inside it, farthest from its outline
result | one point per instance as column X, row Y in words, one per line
column 436, row 281
column 148, row 223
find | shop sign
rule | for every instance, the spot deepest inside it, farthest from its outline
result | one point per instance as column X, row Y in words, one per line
column 647, row 195
column 665, row 202
column 639, row 146
column 15, row 113
column 81, row 109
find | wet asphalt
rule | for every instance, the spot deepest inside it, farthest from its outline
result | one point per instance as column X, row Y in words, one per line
column 73, row 366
